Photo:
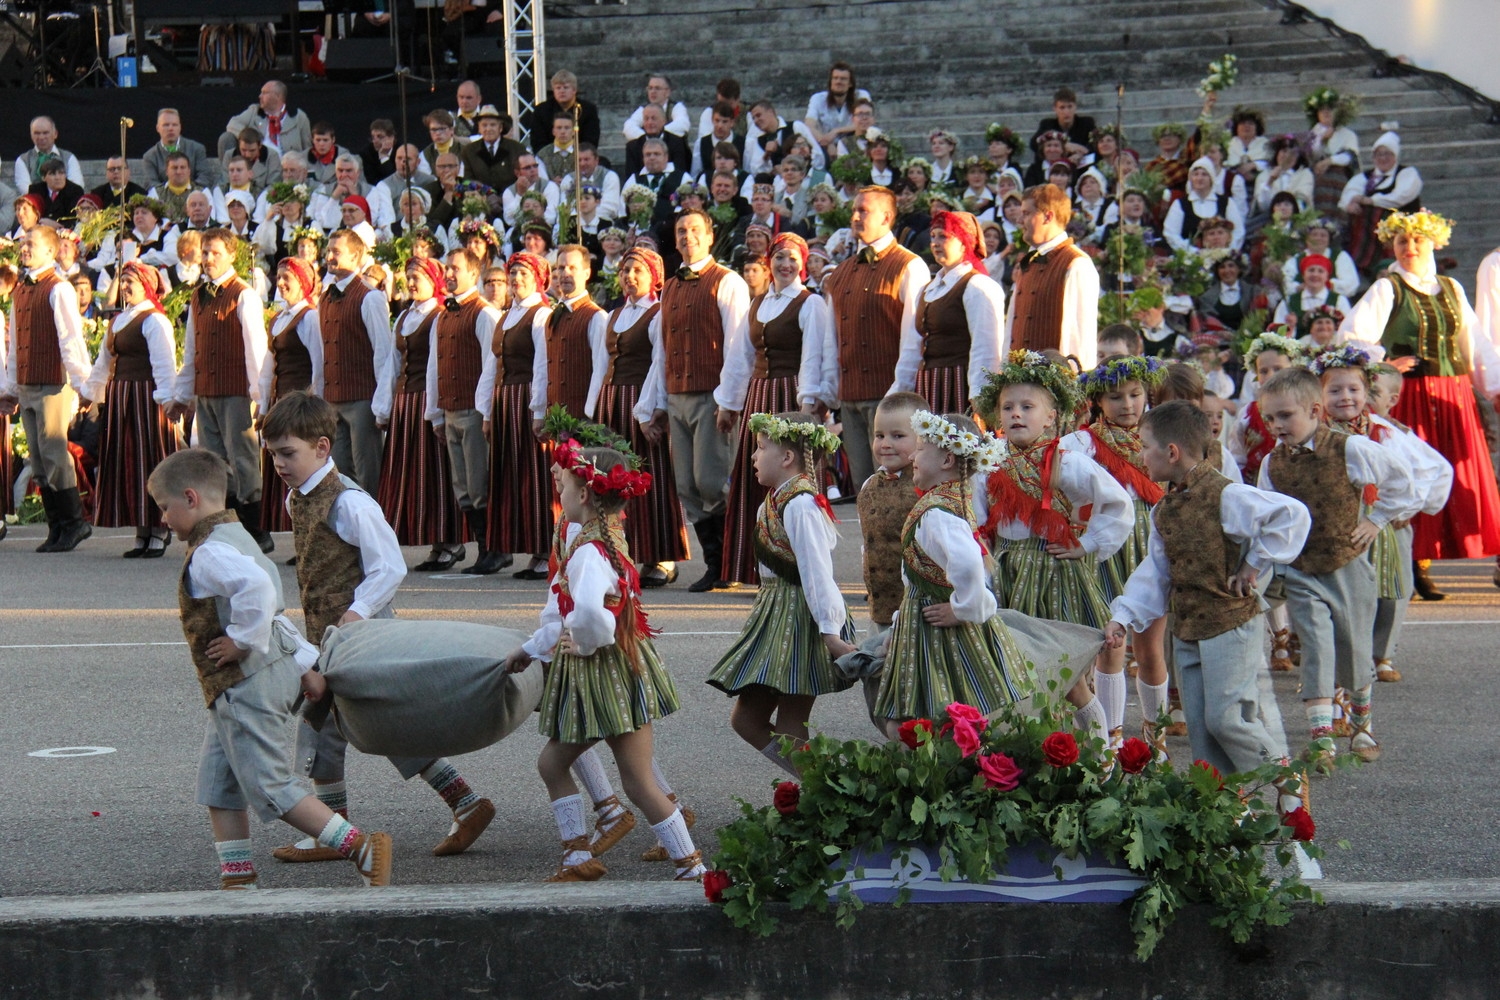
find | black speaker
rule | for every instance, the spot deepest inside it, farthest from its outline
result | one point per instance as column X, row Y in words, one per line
column 359, row 54
column 14, row 70
column 486, row 51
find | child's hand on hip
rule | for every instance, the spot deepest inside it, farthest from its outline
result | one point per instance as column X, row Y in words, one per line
column 225, row 651
column 940, row 615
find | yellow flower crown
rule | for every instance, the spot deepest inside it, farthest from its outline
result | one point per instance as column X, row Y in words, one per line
column 1424, row 223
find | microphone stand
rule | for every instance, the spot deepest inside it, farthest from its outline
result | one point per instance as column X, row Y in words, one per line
column 119, row 297
column 1119, row 198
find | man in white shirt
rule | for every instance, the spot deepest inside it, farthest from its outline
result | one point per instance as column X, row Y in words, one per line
column 769, row 139
column 408, row 160
column 606, row 180
column 347, row 180
column 528, row 176
column 828, row 111
column 44, row 147
column 1055, row 301
column 659, row 94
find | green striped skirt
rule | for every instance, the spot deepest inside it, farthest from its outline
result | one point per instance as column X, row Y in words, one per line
column 1030, row 581
column 1118, row 567
column 927, row 668
column 588, row 698
column 781, row 647
column 1392, row 555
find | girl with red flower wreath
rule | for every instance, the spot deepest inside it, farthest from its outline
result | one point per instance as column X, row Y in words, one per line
column 604, row 681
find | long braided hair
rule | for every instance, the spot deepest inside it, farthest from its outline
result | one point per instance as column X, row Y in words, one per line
column 631, row 625
column 968, row 466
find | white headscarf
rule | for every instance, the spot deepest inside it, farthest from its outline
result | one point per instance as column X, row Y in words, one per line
column 1391, row 141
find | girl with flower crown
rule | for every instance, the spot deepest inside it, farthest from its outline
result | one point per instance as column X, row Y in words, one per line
column 605, row 681
column 784, row 657
column 1046, row 563
column 1119, row 391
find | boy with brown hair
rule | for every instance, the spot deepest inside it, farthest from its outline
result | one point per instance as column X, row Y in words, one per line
column 251, row 664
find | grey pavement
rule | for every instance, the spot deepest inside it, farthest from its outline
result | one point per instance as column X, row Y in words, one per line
column 91, row 655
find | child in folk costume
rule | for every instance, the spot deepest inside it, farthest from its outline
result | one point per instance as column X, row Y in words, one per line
column 134, row 377
column 294, row 362
column 626, row 394
column 512, row 396
column 1353, row 488
column 1119, row 390
column 1046, row 564
column 415, row 474
column 249, row 659
column 780, row 367
column 947, row 643
column 605, row 681
column 783, row 659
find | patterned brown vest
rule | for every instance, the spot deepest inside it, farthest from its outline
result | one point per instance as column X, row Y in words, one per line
column 692, row 331
column 348, row 355
column 630, row 349
column 1320, row 479
column 218, row 340
column 459, row 359
column 34, row 333
column 944, row 326
column 866, row 310
column 514, row 350
column 1036, row 322
column 883, row 504
column 570, row 361
column 293, row 364
column 412, row 351
column 328, row 568
column 1202, row 558
column 130, row 355
column 778, row 344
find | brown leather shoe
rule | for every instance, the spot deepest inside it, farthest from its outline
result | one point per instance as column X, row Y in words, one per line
column 590, row 870
column 298, row 855
column 231, row 882
column 467, row 830
column 657, row 853
column 1385, row 671
column 685, row 868
column 381, row 852
column 611, row 835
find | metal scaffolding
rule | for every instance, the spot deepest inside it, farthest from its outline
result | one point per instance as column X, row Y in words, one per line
column 525, row 59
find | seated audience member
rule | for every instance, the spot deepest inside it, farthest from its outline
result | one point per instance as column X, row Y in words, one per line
column 171, row 140
column 564, row 99
column 282, row 127
column 44, row 147
column 674, row 113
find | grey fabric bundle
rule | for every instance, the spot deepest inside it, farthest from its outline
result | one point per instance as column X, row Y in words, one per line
column 409, row 688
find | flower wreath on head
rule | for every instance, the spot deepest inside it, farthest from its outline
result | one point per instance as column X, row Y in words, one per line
column 1115, row 372
column 1273, row 342
column 153, row 205
column 983, row 450
column 284, row 191
column 1422, row 223
column 469, row 228
column 1347, row 356
column 1110, row 130
column 995, row 132
column 977, row 163
column 307, row 233
column 1324, row 311
column 573, row 435
column 1168, row 128
column 1031, row 368
column 811, row 434
column 1345, row 106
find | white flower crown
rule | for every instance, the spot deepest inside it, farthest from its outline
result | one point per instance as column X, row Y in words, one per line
column 983, row 450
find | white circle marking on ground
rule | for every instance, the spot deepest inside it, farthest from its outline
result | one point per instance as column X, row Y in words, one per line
column 72, row 752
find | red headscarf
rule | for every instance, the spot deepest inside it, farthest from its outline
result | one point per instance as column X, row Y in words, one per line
column 302, row 271
column 359, row 202
column 34, row 200
column 1316, row 260
column 652, row 261
column 538, row 267
column 965, row 228
column 795, row 243
column 433, row 268
column 149, row 277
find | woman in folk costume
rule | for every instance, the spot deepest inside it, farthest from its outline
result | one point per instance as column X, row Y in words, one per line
column 1371, row 196
column 294, row 361
column 512, row 395
column 960, row 316
column 1427, row 329
column 780, row 367
column 134, row 378
column 1333, row 147
column 286, row 217
column 626, row 394
column 799, row 625
column 414, row 475
column 1119, row 391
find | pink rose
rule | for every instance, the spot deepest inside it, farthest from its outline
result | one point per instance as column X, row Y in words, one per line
column 967, row 738
column 961, row 713
column 1000, row 772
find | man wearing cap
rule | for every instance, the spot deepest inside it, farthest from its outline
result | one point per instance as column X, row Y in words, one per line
column 1054, row 303
column 59, row 195
column 490, row 158
column 44, row 147
column 117, row 188
column 358, row 360
column 347, row 182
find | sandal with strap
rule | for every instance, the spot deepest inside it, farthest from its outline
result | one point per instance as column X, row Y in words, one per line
column 591, row 870
column 1368, row 753
column 1281, row 651
column 1385, row 671
column 1157, row 739
column 1342, row 727
column 686, row 868
column 610, row 832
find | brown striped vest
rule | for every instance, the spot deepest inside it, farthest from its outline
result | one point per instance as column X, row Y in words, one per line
column 866, row 310
column 1036, row 322
column 218, row 340
column 34, row 333
column 570, row 361
column 348, row 355
column 459, row 358
column 692, row 331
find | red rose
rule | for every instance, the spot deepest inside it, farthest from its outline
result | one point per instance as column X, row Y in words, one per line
column 1134, row 755
column 714, row 884
column 912, row 729
column 1060, row 749
column 1000, row 772
column 967, row 738
column 1300, row 822
column 788, row 794
column 961, row 713
column 1209, row 768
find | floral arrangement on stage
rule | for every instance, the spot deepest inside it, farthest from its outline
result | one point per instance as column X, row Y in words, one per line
column 1223, row 72
column 94, row 330
column 973, row 789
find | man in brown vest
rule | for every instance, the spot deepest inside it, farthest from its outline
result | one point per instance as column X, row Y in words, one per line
column 873, row 298
column 705, row 311
column 223, row 352
column 1055, row 302
column 47, row 365
column 359, row 360
column 574, row 325
column 463, row 332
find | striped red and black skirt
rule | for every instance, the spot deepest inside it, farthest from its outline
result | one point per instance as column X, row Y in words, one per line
column 946, row 389
column 273, row 515
column 655, row 528
column 7, row 472
column 1443, row 412
column 520, row 506
column 136, row 437
column 416, row 491
column 765, row 395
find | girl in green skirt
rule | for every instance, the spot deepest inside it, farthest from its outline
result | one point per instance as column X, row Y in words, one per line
column 783, row 659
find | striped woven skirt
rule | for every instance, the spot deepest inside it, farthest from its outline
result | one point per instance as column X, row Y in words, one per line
column 520, row 507
column 928, row 667
column 273, row 515
column 1118, row 567
column 7, row 473
column 765, row 395
column 588, row 698
column 655, row 528
column 1328, row 187
column 781, row 647
column 1392, row 554
column 946, row 389
column 136, row 437
column 1030, row 581
column 416, row 492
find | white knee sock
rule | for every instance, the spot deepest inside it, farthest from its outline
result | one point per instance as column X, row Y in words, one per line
column 568, row 811
column 772, row 753
column 672, row 833
column 1110, row 689
column 589, row 770
column 661, row 781
column 1153, row 699
column 1091, row 718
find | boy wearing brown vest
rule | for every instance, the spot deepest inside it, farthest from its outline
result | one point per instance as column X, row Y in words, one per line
column 1054, row 304
column 349, row 567
column 1212, row 548
column 359, row 360
column 251, row 664
column 1353, row 487
column 573, row 327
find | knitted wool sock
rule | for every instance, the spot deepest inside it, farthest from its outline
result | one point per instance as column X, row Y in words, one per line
column 344, row 837
column 1110, row 689
column 234, row 858
column 447, row 782
column 568, row 811
column 1153, row 699
column 1359, row 708
column 772, row 752
column 672, row 833
column 589, row 771
column 1319, row 720
column 661, row 781
column 1091, row 719
column 333, row 795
